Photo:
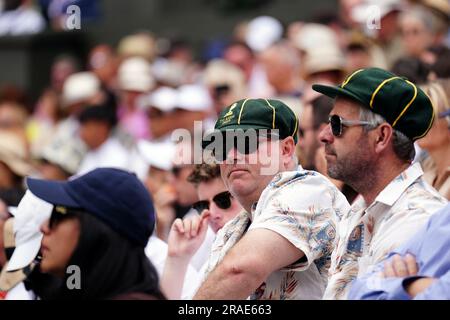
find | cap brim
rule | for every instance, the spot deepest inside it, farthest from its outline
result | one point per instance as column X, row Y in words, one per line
column 24, row 253
column 333, row 92
column 207, row 140
column 53, row 192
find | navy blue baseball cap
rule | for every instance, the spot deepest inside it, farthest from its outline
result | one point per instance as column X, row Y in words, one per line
column 114, row 196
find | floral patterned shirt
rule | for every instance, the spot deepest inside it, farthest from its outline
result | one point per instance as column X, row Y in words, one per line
column 300, row 206
column 368, row 233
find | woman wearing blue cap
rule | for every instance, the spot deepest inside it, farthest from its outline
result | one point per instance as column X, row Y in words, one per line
column 95, row 237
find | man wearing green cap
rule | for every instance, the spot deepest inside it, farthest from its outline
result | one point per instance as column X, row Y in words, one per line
column 280, row 247
column 375, row 119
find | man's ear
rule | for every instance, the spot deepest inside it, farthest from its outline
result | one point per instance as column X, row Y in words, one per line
column 383, row 136
column 288, row 149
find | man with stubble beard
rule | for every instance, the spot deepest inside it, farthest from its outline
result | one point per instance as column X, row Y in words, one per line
column 369, row 145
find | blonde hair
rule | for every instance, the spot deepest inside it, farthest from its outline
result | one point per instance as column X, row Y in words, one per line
column 439, row 91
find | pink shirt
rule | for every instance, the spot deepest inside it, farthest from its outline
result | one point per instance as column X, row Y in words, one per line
column 135, row 122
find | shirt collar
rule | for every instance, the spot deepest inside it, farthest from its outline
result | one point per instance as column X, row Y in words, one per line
column 396, row 187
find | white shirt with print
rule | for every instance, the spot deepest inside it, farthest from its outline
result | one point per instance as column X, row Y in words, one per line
column 366, row 234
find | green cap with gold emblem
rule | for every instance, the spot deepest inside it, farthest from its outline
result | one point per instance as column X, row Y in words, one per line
column 259, row 114
column 404, row 106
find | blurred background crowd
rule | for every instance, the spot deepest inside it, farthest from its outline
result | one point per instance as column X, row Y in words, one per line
column 117, row 105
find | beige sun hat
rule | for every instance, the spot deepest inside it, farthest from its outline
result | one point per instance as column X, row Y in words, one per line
column 80, row 86
column 326, row 58
column 314, row 35
column 142, row 44
column 135, row 74
column 14, row 153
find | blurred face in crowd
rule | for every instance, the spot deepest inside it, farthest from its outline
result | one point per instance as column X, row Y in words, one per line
column 309, row 142
column 437, row 137
column 156, row 178
column 61, row 70
column 224, row 208
column 103, row 63
column 185, row 191
column 7, row 177
column 278, row 71
column 58, row 244
column 357, row 58
column 186, row 194
column 130, row 98
column 240, row 57
column 49, row 171
column 350, row 155
column 94, row 133
column 12, row 116
column 415, row 36
column 246, row 175
column 388, row 26
column 345, row 11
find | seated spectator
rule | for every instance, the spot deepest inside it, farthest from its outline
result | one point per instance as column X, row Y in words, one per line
column 104, row 149
column 100, row 222
column 421, row 29
column 369, row 145
column 437, row 141
column 134, row 80
column 186, row 196
column 216, row 207
column 279, row 247
column 419, row 269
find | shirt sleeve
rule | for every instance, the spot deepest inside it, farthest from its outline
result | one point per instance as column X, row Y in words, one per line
column 372, row 286
column 305, row 219
column 439, row 290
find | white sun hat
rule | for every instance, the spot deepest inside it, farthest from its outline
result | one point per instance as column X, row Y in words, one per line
column 29, row 216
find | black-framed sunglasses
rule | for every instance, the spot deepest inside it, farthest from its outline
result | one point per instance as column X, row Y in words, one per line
column 244, row 144
column 337, row 123
column 61, row 213
column 222, row 200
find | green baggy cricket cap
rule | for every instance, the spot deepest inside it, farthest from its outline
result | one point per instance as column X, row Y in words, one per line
column 257, row 114
column 404, row 106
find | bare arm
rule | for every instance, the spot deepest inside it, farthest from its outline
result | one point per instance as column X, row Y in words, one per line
column 248, row 264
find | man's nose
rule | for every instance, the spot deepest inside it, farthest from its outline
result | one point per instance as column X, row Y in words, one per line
column 233, row 155
column 325, row 135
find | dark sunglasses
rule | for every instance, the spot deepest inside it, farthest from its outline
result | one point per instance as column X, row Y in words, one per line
column 222, row 200
column 61, row 213
column 337, row 124
column 244, row 144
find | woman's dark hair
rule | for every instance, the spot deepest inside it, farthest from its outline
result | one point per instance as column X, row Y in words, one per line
column 110, row 264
